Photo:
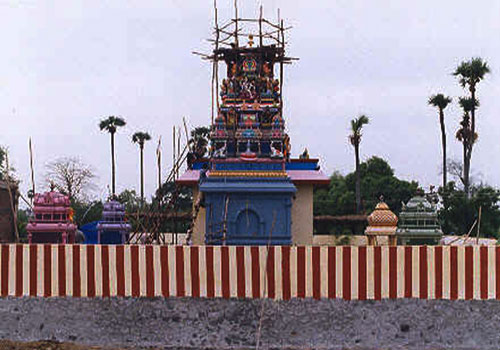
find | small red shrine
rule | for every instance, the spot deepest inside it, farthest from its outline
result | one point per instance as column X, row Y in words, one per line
column 52, row 221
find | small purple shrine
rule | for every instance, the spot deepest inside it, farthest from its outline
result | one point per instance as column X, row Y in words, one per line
column 113, row 229
column 52, row 221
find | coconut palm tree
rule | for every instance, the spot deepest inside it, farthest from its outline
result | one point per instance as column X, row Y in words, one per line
column 140, row 138
column 469, row 74
column 441, row 102
column 111, row 124
column 355, row 139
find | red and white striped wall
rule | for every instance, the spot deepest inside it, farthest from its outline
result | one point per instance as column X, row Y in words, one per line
column 346, row 272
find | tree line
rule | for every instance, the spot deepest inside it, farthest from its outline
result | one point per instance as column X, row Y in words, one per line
column 458, row 204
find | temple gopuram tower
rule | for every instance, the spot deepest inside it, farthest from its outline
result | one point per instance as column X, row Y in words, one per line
column 249, row 191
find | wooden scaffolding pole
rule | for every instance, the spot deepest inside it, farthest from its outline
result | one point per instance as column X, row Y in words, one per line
column 158, row 161
column 173, row 152
column 281, row 65
column 260, row 27
column 236, row 23
column 178, row 151
column 32, row 171
column 216, row 61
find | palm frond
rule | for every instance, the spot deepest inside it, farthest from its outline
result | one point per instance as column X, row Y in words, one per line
column 468, row 104
column 111, row 123
column 471, row 72
column 356, row 126
column 439, row 100
column 140, row 137
column 358, row 123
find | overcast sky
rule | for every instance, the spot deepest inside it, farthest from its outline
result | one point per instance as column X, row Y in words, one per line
column 64, row 65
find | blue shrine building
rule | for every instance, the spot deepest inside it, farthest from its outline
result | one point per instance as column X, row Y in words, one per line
column 249, row 191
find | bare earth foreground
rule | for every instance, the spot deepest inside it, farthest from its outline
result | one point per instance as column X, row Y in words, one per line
column 182, row 323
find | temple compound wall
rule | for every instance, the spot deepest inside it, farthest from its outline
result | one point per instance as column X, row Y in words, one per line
column 199, row 223
column 302, row 215
column 275, row 272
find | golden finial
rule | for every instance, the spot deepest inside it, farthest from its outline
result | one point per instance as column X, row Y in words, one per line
column 250, row 40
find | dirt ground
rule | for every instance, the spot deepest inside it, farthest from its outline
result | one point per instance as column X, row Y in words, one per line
column 47, row 345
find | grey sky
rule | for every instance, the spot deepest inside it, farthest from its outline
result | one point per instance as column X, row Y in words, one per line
column 64, row 65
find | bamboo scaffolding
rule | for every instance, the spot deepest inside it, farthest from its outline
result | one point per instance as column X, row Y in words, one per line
column 149, row 221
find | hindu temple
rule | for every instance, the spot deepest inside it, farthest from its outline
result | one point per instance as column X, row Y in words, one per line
column 382, row 222
column 113, row 229
column 418, row 222
column 52, row 220
column 252, row 191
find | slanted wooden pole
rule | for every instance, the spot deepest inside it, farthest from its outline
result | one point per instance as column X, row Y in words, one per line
column 178, row 151
column 236, row 23
column 281, row 64
column 186, row 133
column 216, row 60
column 158, row 161
column 478, row 225
column 32, row 171
column 173, row 152
column 260, row 27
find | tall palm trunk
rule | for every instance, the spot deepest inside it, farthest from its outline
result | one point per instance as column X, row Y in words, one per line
column 473, row 113
column 113, row 188
column 142, row 172
column 358, row 180
column 443, row 142
column 467, row 156
column 470, row 143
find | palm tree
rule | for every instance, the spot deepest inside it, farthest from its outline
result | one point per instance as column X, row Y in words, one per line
column 111, row 124
column 467, row 137
column 355, row 139
column 199, row 141
column 469, row 74
column 441, row 102
column 140, row 138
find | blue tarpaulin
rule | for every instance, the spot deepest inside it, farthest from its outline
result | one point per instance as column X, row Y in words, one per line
column 90, row 232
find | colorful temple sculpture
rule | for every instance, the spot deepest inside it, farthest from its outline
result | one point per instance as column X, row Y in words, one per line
column 418, row 222
column 52, row 220
column 382, row 222
column 113, row 229
column 252, row 191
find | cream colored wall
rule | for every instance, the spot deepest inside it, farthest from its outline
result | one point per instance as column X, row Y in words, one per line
column 357, row 240
column 302, row 215
column 199, row 224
